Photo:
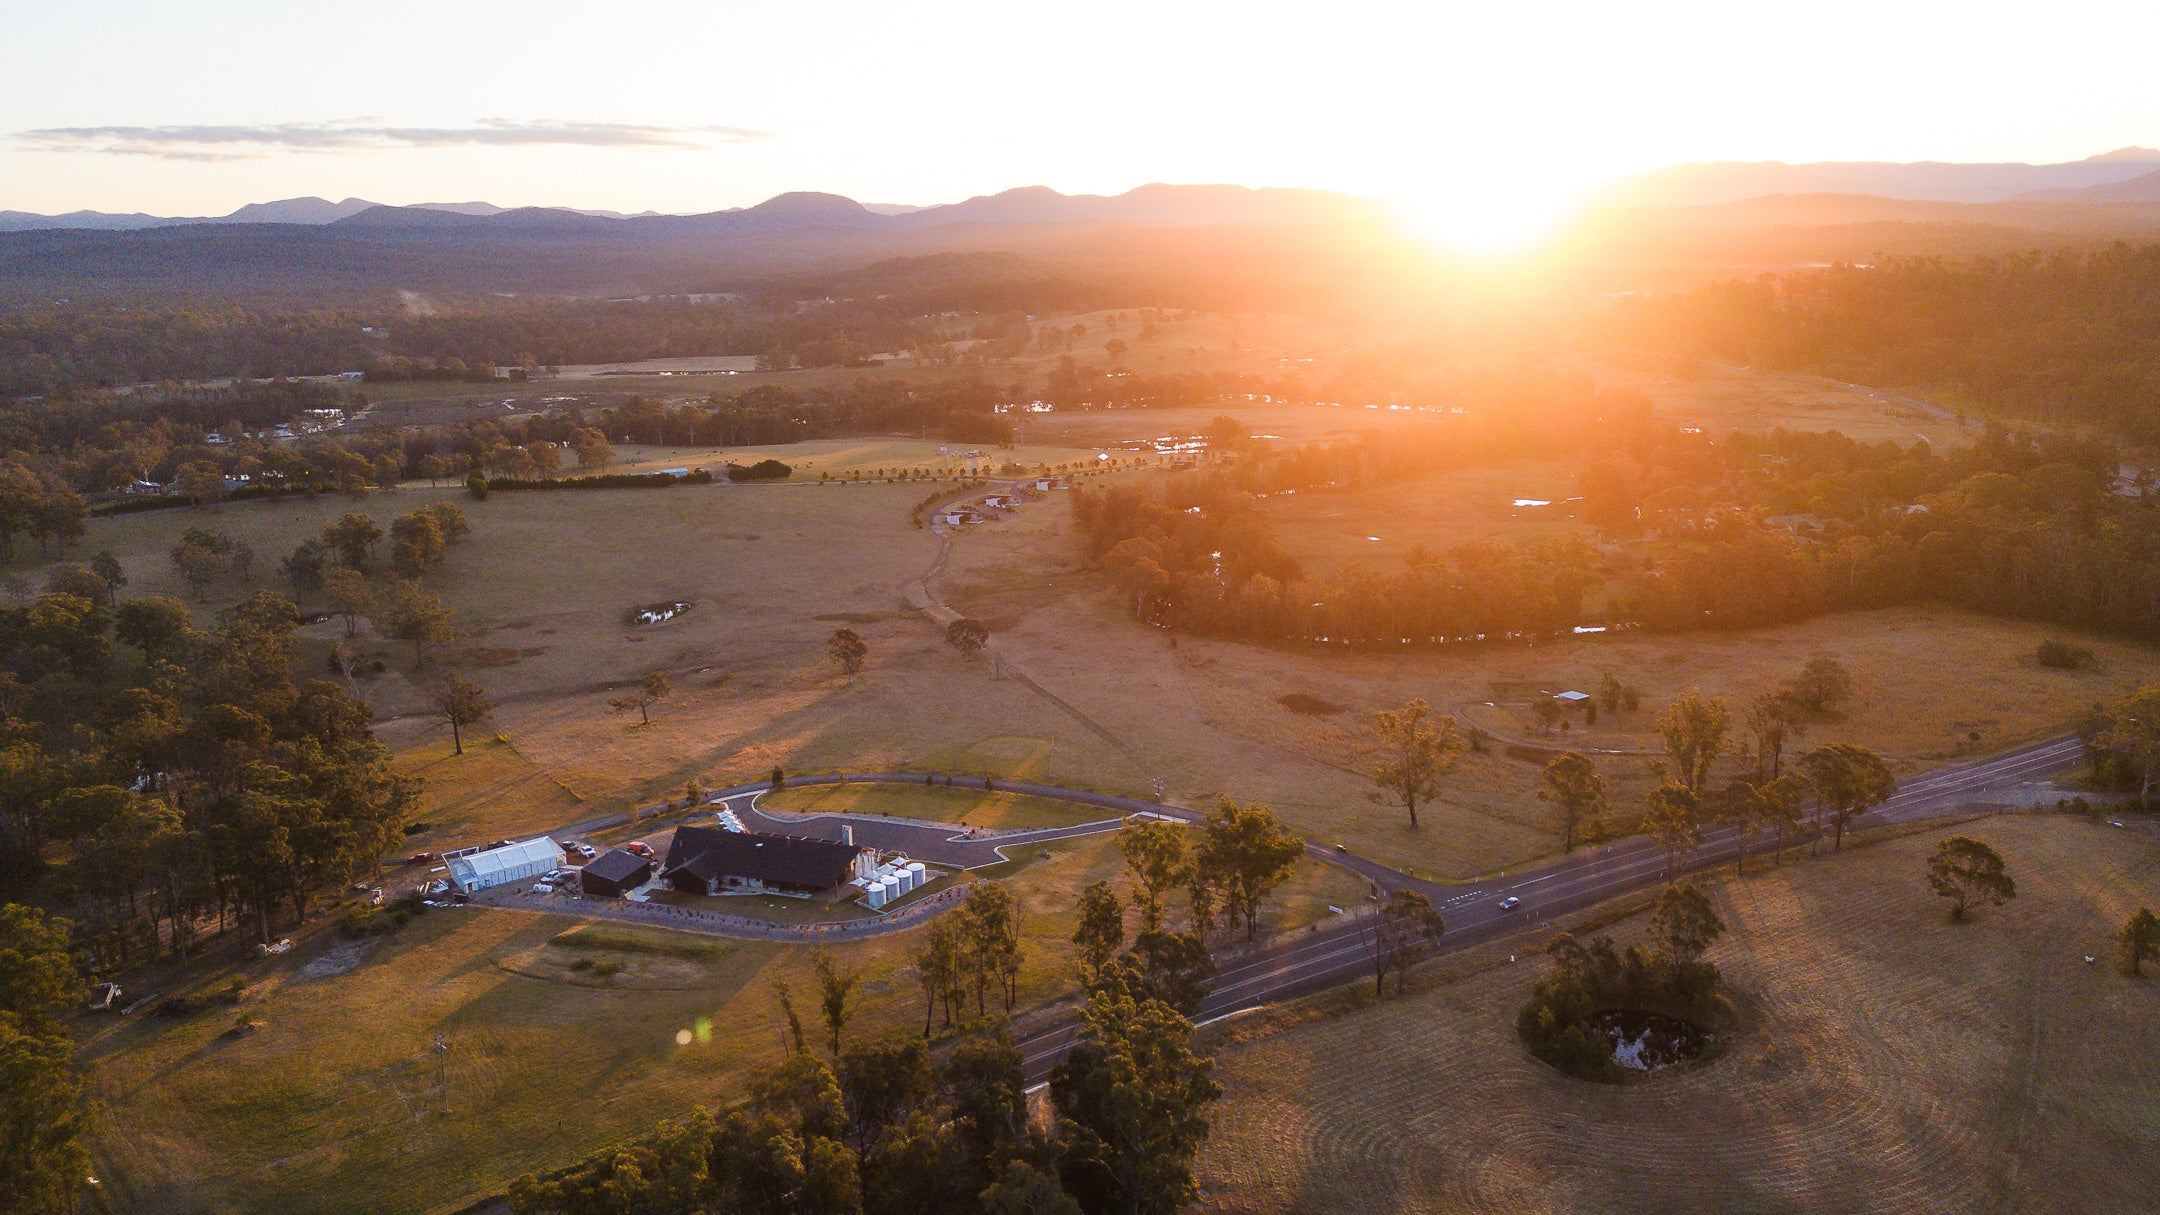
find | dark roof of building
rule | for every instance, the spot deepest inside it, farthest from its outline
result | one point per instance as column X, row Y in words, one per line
column 780, row 860
column 616, row 865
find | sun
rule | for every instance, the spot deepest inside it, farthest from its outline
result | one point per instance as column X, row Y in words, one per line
column 1483, row 223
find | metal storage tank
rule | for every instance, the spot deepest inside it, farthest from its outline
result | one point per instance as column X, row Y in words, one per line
column 891, row 886
column 918, row 873
column 874, row 894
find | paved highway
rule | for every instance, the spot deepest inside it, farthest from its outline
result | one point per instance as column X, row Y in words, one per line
column 1334, row 954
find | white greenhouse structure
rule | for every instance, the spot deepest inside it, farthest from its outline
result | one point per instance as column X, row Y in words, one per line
column 501, row 866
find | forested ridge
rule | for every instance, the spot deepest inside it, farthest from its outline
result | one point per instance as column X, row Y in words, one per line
column 2064, row 337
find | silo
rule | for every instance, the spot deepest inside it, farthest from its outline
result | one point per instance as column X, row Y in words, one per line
column 918, row 873
column 874, row 894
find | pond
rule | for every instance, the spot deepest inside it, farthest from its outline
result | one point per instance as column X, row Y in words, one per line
column 1645, row 1041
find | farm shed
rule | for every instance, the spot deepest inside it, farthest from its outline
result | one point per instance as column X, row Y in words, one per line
column 708, row 860
column 612, row 873
column 503, row 865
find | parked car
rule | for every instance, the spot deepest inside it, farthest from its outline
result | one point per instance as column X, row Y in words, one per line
column 1510, row 903
column 641, row 848
column 587, row 851
column 421, row 858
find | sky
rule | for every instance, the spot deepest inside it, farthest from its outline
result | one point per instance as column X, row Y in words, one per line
column 1469, row 114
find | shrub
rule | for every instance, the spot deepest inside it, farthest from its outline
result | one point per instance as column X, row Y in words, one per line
column 763, row 470
column 382, row 921
column 2062, row 656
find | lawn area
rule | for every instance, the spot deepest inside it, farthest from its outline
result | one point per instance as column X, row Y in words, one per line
column 939, row 803
column 1891, row 1062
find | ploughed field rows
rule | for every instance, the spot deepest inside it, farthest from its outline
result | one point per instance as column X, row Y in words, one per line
column 1888, row 1062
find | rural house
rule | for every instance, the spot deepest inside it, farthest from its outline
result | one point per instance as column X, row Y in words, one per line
column 708, row 860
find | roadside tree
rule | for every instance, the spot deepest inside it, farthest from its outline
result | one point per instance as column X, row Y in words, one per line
column 1420, row 752
column 1576, row 792
column 1397, row 935
column 1849, row 781
column 1156, row 857
column 1694, row 729
column 1101, row 930
column 1244, row 856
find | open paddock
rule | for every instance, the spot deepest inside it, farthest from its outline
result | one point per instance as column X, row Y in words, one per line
column 1891, row 1062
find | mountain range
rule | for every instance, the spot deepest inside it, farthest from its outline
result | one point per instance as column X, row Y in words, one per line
column 1152, row 204
column 2126, row 175
column 2100, row 178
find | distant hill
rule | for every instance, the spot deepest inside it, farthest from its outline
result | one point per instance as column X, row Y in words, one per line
column 298, row 211
column 92, row 221
column 2143, row 189
column 1694, row 185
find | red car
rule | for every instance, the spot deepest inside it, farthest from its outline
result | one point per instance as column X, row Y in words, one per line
column 420, row 858
column 641, row 848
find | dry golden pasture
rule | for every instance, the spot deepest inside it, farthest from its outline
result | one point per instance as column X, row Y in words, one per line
column 1209, row 715
column 329, row 1105
column 969, row 807
column 1718, row 398
column 1896, row 1063
column 1072, row 692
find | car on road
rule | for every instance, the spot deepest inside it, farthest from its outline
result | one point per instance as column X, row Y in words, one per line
column 1510, row 903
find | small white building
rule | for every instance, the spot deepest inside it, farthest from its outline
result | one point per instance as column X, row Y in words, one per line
column 504, row 865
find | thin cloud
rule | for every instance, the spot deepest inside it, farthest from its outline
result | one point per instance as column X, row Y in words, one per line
column 204, row 142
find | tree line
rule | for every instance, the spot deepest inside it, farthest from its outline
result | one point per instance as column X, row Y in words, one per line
column 1728, row 533
column 2066, row 337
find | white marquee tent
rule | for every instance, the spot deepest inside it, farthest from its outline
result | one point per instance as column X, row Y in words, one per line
column 500, row 866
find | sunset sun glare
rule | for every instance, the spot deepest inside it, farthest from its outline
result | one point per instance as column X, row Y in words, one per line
column 1484, row 223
